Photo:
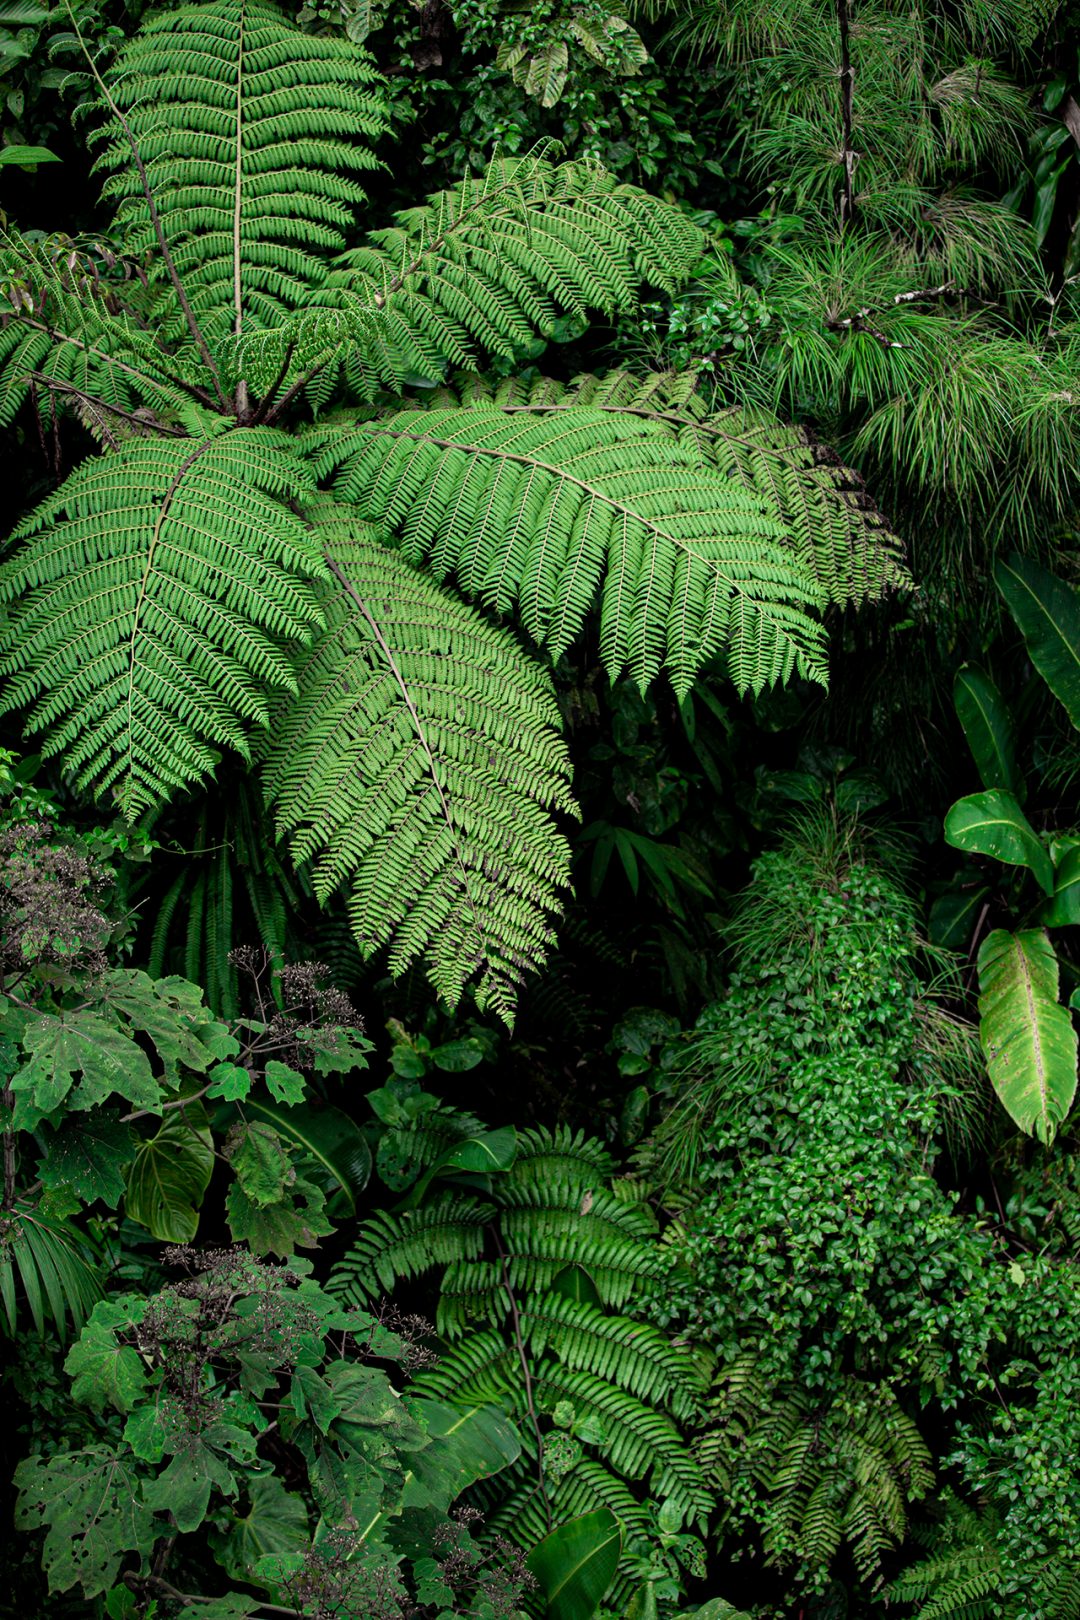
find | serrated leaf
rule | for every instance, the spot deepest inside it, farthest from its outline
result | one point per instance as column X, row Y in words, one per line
column 326, row 1135
column 230, row 1081
column 168, row 1180
column 69, row 1045
column 88, row 1154
column 89, row 1500
column 105, row 1371
column 1027, row 1037
column 282, row 1227
column 259, row 1161
column 276, row 1522
column 285, row 1085
column 993, row 823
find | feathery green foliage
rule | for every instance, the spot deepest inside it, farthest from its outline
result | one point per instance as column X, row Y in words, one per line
column 150, row 604
column 530, row 1274
column 417, row 763
column 247, row 131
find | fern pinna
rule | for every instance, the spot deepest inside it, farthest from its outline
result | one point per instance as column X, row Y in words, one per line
column 193, row 590
column 540, row 1273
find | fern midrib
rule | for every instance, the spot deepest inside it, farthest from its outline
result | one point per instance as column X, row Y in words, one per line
column 238, row 173
column 200, row 450
column 348, row 586
column 563, row 476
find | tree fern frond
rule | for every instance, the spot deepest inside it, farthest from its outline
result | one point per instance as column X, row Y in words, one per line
column 150, row 599
column 544, row 513
column 247, row 129
column 484, row 266
column 418, row 761
column 828, row 520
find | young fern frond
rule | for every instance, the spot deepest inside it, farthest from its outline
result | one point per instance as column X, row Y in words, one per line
column 150, row 600
column 543, row 514
column 247, row 130
column 417, row 762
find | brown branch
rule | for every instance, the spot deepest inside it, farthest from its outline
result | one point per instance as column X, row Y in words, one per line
column 526, row 1376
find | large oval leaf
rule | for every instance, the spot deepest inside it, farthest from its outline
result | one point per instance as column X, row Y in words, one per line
column 576, row 1564
column 329, row 1136
column 1027, row 1037
column 988, row 727
column 170, row 1175
column 1063, row 907
column 1048, row 613
column 993, row 823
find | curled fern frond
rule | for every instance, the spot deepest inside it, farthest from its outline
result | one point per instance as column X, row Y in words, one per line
column 418, row 762
column 544, row 513
column 150, row 600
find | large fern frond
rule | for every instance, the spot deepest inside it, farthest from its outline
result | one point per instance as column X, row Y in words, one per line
column 393, row 1246
column 247, row 128
column 544, row 513
column 828, row 520
column 481, row 268
column 149, row 603
column 418, row 762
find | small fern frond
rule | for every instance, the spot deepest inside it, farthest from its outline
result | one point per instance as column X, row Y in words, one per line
column 634, row 1355
column 247, row 129
column 150, row 599
column 418, row 762
column 481, row 268
column 393, row 1246
column 577, row 1160
column 544, row 514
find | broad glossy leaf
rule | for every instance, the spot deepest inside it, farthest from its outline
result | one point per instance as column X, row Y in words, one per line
column 88, row 1153
column 576, row 1564
column 1063, row 908
column 954, row 914
column 988, row 727
column 1027, row 1037
column 184, row 1488
column 105, row 1371
column 993, row 823
column 313, row 1397
column 325, row 1134
column 89, row 1501
column 168, row 1010
column 463, row 1447
column 1048, row 613
column 229, row 1081
column 719, row 1609
column 170, row 1175
column 276, row 1522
